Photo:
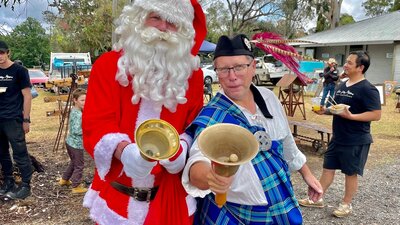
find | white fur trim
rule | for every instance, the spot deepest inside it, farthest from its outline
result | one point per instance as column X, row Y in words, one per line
column 101, row 214
column 104, row 151
column 179, row 12
column 146, row 112
column 89, row 198
column 137, row 211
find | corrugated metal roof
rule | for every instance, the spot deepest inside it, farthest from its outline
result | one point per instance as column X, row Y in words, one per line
column 381, row 29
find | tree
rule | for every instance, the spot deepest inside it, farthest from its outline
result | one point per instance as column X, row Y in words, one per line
column 217, row 20
column 395, row 6
column 81, row 26
column 379, row 7
column 238, row 16
column 376, row 7
column 5, row 3
column 295, row 14
column 30, row 43
column 328, row 13
column 346, row 19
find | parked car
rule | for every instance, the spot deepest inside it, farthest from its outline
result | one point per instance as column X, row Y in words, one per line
column 209, row 74
column 38, row 78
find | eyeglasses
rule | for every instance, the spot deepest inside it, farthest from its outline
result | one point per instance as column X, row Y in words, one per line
column 223, row 72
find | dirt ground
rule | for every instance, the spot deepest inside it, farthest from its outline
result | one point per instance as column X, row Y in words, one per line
column 377, row 202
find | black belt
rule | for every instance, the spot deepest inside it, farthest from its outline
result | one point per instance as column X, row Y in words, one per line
column 139, row 194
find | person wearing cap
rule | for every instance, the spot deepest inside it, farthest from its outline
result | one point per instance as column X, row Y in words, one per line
column 15, row 102
column 151, row 73
column 330, row 75
column 260, row 192
column 351, row 132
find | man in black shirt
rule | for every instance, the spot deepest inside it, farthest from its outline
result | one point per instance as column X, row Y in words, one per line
column 351, row 140
column 15, row 108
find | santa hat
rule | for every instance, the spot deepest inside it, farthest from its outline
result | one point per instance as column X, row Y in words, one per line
column 187, row 13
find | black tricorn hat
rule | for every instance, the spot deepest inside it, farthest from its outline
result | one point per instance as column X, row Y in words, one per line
column 238, row 45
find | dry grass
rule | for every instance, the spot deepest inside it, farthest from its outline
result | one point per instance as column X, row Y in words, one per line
column 43, row 128
column 385, row 132
column 388, row 126
column 51, row 204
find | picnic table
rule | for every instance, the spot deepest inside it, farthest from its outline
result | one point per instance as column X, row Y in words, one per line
column 319, row 144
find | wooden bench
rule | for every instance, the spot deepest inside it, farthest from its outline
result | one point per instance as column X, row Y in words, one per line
column 319, row 144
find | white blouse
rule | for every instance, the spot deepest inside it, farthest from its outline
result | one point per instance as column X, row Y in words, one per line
column 246, row 187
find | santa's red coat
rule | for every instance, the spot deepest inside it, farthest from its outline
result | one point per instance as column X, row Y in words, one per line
column 109, row 117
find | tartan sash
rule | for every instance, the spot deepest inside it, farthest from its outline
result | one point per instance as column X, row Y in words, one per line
column 269, row 165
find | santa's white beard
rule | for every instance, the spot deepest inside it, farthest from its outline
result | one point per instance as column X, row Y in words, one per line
column 159, row 63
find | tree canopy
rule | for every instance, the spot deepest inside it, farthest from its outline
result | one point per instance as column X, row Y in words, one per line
column 379, row 7
column 29, row 43
column 6, row 3
column 87, row 25
column 81, row 26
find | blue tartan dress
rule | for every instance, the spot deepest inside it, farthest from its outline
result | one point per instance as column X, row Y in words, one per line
column 269, row 165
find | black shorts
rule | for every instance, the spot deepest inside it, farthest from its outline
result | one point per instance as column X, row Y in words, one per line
column 350, row 159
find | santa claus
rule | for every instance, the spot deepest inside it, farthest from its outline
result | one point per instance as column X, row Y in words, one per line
column 153, row 73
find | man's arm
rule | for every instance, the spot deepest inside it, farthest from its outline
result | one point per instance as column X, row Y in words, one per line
column 26, row 92
column 374, row 115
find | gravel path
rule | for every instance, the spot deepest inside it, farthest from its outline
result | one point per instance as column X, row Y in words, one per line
column 376, row 202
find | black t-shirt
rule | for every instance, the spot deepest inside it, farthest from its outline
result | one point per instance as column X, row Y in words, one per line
column 361, row 97
column 15, row 78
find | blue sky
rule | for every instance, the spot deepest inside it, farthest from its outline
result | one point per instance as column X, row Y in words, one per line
column 34, row 8
column 28, row 8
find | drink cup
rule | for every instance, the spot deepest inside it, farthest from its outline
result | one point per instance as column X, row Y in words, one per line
column 315, row 104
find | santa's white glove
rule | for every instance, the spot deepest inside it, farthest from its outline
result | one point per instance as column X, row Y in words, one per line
column 175, row 164
column 135, row 166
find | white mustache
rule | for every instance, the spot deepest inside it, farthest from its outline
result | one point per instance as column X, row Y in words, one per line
column 151, row 34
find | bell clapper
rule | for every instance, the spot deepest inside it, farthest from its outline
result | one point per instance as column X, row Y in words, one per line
column 233, row 158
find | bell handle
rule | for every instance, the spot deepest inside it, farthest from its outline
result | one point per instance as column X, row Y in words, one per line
column 220, row 199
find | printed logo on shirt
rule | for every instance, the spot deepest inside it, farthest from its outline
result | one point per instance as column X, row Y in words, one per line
column 347, row 93
column 6, row 78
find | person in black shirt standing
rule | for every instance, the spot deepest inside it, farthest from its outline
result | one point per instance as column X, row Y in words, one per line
column 351, row 140
column 15, row 108
column 330, row 76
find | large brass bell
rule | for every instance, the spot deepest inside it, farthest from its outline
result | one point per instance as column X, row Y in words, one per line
column 157, row 139
column 228, row 146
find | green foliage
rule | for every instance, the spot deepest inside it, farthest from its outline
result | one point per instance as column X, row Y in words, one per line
column 217, row 21
column 237, row 16
column 376, row 7
column 294, row 15
column 328, row 13
column 379, row 7
column 81, row 26
column 395, row 6
column 322, row 23
column 29, row 43
column 346, row 19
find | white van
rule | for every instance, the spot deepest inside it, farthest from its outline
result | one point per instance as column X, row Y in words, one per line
column 63, row 64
